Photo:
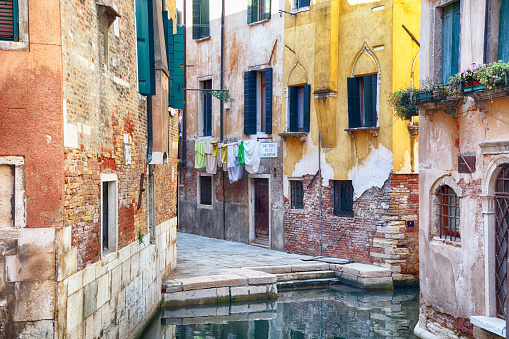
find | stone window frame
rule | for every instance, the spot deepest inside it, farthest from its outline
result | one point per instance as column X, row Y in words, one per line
column 23, row 43
column 198, row 191
column 20, row 208
column 436, row 37
column 434, row 233
column 290, row 179
column 201, row 108
column 112, row 180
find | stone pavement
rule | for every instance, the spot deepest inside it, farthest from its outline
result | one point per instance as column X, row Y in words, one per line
column 201, row 256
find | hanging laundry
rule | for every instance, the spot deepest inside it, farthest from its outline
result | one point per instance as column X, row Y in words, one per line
column 252, row 155
column 211, row 167
column 199, row 156
column 215, row 149
column 235, row 171
column 241, row 153
column 224, row 153
column 231, row 155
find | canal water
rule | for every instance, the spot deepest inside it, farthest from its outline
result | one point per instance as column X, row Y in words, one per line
column 337, row 312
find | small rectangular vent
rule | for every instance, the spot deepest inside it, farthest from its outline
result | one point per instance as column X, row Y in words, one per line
column 466, row 163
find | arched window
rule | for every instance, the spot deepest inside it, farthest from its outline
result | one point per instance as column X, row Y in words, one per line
column 448, row 214
column 501, row 238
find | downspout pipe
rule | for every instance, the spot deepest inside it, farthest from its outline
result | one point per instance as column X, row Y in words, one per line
column 149, row 129
column 184, row 112
column 221, row 110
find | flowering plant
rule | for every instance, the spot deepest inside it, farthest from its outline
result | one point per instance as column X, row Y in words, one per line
column 491, row 75
column 469, row 74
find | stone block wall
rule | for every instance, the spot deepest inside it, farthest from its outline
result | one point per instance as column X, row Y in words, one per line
column 377, row 234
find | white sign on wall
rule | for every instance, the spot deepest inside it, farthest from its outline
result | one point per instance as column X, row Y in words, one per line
column 268, row 150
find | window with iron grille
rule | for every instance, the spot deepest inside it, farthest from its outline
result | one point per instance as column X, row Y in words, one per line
column 297, row 193
column 501, row 239
column 205, row 185
column 343, row 198
column 448, row 214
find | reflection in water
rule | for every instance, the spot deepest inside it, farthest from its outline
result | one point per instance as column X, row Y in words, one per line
column 339, row 312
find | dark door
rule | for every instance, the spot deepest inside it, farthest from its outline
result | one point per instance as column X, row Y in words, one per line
column 262, row 208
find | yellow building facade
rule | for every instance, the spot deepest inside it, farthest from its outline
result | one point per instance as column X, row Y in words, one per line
column 353, row 54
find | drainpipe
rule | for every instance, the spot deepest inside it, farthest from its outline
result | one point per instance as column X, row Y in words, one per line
column 149, row 129
column 221, row 111
column 320, row 189
column 184, row 112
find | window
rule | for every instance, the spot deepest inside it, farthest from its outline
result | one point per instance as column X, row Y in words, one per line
column 501, row 238
column 450, row 41
column 343, row 198
column 497, row 34
column 258, row 10
column 362, row 101
column 302, row 3
column 296, row 194
column 145, row 47
column 258, row 101
column 205, row 110
column 448, row 214
column 201, row 22
column 299, row 108
column 503, row 35
column 109, row 202
column 14, row 25
column 12, row 192
column 205, row 190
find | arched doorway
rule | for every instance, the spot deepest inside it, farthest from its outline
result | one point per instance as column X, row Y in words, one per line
column 501, row 239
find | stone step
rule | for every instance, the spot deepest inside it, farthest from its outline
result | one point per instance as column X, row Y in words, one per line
column 306, row 275
column 308, row 283
column 294, row 268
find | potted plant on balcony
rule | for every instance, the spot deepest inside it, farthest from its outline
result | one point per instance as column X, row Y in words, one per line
column 493, row 75
column 403, row 103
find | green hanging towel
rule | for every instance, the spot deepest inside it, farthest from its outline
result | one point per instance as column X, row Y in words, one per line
column 199, row 157
column 241, row 153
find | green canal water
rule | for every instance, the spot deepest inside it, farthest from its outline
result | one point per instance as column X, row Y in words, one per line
column 337, row 312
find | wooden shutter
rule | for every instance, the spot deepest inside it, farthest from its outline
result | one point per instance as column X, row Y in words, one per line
column 503, row 35
column 196, row 20
column 145, row 43
column 307, row 106
column 204, row 18
column 370, row 84
column 294, row 108
column 303, row 3
column 250, row 102
column 354, row 103
column 168, row 39
column 268, row 101
column 179, row 69
column 450, row 41
column 267, row 9
column 207, row 109
column 249, row 11
column 9, row 20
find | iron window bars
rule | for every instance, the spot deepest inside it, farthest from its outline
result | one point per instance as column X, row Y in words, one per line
column 343, row 198
column 297, row 194
column 501, row 238
column 448, row 214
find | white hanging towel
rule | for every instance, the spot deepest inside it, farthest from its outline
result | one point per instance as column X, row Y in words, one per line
column 236, row 171
column 230, row 162
column 211, row 166
column 252, row 155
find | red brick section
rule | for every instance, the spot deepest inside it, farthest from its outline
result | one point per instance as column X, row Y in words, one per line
column 353, row 238
column 463, row 327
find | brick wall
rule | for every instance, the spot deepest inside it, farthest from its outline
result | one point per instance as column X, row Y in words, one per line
column 376, row 234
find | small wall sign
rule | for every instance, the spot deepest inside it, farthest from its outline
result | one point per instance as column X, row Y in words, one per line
column 268, row 150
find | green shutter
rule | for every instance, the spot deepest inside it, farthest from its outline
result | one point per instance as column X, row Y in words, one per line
column 450, row 41
column 204, row 18
column 307, row 106
column 179, row 69
column 9, row 20
column 370, row 84
column 294, row 108
column 196, row 20
column 354, row 100
column 268, row 101
column 145, row 44
column 250, row 102
column 503, row 35
column 250, row 11
column 267, row 9
column 168, row 39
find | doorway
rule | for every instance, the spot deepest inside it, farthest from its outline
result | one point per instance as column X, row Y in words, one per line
column 261, row 211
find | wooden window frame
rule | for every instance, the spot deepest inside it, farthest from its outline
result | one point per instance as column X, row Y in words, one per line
column 343, row 207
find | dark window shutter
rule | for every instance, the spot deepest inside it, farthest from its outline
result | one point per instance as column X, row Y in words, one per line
column 268, row 101
column 294, row 108
column 196, row 20
column 249, row 11
column 370, row 84
column 178, row 69
column 145, row 43
column 267, row 9
column 249, row 102
column 503, row 35
column 450, row 41
column 303, row 3
column 168, row 39
column 307, row 106
column 204, row 18
column 9, row 20
column 207, row 110
column 354, row 103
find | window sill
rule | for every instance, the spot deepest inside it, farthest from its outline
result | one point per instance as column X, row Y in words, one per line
column 372, row 130
column 301, row 135
column 207, row 207
column 261, row 22
column 14, row 46
column 349, row 216
column 300, row 10
column 447, row 242
column 296, row 211
column 490, row 324
column 202, row 39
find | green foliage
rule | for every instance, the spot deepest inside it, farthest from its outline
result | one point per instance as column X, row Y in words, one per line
column 402, row 102
column 140, row 236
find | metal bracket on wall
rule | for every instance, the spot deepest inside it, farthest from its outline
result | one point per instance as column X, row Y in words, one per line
column 221, row 94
